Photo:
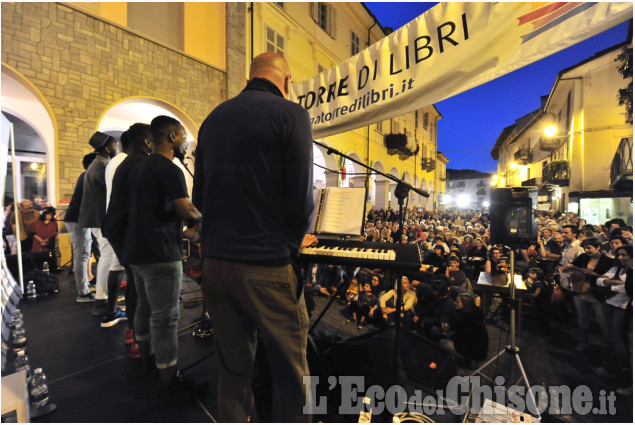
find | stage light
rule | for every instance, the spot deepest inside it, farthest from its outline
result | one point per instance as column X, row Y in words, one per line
column 463, row 201
column 486, row 204
column 447, row 199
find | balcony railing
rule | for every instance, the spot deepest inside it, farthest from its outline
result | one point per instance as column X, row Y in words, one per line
column 556, row 173
column 549, row 144
column 622, row 165
column 428, row 164
column 522, row 156
column 536, row 181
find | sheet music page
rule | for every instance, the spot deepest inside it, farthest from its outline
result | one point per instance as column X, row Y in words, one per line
column 342, row 211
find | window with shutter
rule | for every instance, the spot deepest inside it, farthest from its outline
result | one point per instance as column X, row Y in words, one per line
column 354, row 44
column 275, row 41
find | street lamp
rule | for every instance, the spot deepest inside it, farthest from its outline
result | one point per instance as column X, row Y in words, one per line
column 550, row 131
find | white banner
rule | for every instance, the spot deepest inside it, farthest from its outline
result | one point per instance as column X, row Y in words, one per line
column 449, row 49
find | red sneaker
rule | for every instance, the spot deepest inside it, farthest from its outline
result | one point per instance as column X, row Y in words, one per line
column 129, row 336
column 134, row 352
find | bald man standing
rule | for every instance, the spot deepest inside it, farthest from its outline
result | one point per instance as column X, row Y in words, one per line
column 253, row 184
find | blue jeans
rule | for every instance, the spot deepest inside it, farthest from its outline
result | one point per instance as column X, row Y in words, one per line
column 158, row 287
column 81, row 241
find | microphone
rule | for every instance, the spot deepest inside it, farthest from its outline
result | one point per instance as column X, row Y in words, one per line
column 421, row 192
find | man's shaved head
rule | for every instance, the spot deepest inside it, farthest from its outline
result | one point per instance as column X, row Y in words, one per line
column 273, row 67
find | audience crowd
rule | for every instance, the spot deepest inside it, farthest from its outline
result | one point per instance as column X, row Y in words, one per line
column 573, row 271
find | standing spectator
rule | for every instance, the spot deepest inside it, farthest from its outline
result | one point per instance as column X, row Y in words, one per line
column 91, row 216
column 615, row 307
column 253, row 183
column 591, row 265
column 81, row 239
column 44, row 231
column 158, row 204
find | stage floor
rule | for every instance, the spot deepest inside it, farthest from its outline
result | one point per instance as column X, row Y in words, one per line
column 91, row 378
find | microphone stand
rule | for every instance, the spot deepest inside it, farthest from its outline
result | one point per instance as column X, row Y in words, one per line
column 401, row 193
column 186, row 167
column 406, row 186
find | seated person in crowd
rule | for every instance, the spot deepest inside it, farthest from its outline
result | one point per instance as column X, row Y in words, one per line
column 528, row 257
column 376, row 284
column 388, row 302
column 545, row 234
column 44, row 231
column 468, row 243
column 456, row 277
column 468, row 337
column 463, row 266
column 353, row 290
column 476, row 257
column 364, row 306
column 497, row 267
column 330, row 278
column 436, row 311
column 437, row 260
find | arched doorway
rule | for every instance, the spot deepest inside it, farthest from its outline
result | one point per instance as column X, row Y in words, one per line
column 379, row 188
column 322, row 162
column 34, row 135
column 126, row 112
column 355, row 173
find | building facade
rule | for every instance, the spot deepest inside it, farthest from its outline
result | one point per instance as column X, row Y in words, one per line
column 585, row 164
column 70, row 69
column 317, row 36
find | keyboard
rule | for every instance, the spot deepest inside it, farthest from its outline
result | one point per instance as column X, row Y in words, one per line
column 363, row 254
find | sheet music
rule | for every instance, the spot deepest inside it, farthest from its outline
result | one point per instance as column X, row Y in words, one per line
column 342, row 211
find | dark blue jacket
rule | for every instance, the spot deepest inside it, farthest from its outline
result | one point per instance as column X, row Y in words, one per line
column 253, row 176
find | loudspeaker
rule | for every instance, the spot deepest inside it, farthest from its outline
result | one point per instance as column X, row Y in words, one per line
column 512, row 215
column 421, row 361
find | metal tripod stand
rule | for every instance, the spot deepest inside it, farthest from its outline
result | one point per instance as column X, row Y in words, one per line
column 512, row 350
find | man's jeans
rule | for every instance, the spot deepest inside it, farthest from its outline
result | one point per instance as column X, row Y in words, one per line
column 81, row 241
column 158, row 289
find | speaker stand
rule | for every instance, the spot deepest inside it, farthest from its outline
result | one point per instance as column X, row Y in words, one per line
column 512, row 351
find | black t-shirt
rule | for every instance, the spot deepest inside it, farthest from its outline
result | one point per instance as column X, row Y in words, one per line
column 154, row 230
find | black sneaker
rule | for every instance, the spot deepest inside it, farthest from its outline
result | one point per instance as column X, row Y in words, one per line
column 111, row 319
column 181, row 390
column 86, row 298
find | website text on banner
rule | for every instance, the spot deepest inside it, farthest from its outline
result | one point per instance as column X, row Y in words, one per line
column 449, row 49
